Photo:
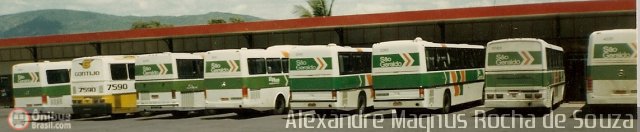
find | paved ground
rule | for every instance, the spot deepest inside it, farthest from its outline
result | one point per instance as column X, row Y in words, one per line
column 465, row 119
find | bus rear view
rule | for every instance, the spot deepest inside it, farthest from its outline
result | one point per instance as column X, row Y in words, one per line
column 611, row 67
column 523, row 73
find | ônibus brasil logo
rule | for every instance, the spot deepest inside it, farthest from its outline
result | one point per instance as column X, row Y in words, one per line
column 18, row 119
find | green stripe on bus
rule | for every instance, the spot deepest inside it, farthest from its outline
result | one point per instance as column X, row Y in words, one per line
column 249, row 82
column 542, row 79
column 426, row 80
column 299, row 64
column 328, row 83
column 168, row 86
column 57, row 91
column 395, row 60
column 27, row 92
column 615, row 50
column 153, row 69
column 514, row 58
column 222, row 66
column 612, row 72
column 30, row 77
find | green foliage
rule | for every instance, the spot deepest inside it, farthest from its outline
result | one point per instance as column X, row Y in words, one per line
column 317, row 8
column 216, row 21
column 148, row 24
column 236, row 20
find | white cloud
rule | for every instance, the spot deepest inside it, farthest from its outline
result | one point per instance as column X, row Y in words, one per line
column 270, row 9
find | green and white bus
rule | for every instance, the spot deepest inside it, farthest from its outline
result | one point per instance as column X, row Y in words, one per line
column 170, row 82
column 103, row 85
column 43, row 86
column 611, row 67
column 524, row 73
column 328, row 78
column 410, row 74
column 247, row 80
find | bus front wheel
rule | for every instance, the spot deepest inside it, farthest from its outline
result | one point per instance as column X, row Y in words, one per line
column 280, row 106
column 362, row 104
column 446, row 103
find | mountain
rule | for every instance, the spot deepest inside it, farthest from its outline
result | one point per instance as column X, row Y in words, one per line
column 60, row 21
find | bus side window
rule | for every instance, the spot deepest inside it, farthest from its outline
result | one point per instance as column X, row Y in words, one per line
column 365, row 62
column 285, row 65
column 354, row 62
column 257, row 66
column 190, row 68
column 443, row 59
column 199, row 65
column 119, row 72
column 345, row 65
column 274, row 65
column 57, row 76
column 132, row 71
column 431, row 59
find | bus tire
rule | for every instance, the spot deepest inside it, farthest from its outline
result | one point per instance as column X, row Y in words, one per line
column 180, row 113
column 362, row 104
column 118, row 116
column 145, row 113
column 209, row 112
column 483, row 97
column 280, row 106
column 446, row 103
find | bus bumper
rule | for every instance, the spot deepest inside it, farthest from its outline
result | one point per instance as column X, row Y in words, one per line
column 404, row 103
column 614, row 99
column 318, row 105
column 94, row 109
column 516, row 103
column 235, row 104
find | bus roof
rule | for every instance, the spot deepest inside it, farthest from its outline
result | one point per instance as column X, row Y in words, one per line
column 110, row 58
column 46, row 64
column 175, row 55
column 331, row 48
column 543, row 43
column 614, row 31
column 245, row 52
column 424, row 43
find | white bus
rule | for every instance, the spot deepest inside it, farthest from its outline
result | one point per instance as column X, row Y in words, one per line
column 247, row 80
column 43, row 86
column 170, row 82
column 611, row 67
column 331, row 78
column 524, row 73
column 103, row 85
column 420, row 74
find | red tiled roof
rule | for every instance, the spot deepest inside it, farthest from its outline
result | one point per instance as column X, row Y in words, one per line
column 334, row 21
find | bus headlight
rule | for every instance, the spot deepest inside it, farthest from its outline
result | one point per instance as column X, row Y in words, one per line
column 499, row 96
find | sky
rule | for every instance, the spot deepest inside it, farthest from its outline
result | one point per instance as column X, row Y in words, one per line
column 269, row 9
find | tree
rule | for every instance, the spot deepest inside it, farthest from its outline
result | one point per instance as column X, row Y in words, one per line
column 317, row 8
column 217, row 21
column 148, row 24
column 236, row 20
